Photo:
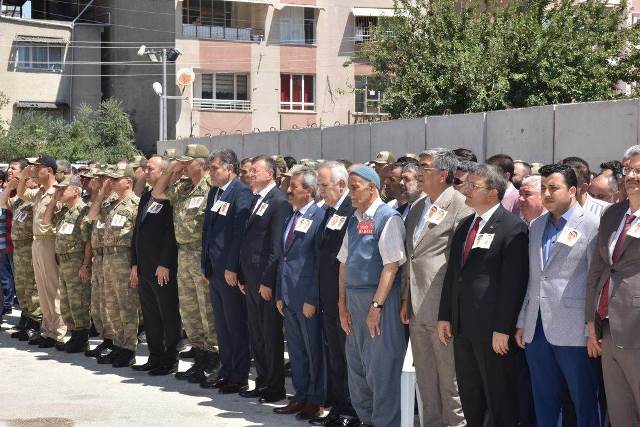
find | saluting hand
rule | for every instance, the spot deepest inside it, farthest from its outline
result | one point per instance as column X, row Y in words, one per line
column 444, row 332
column 345, row 318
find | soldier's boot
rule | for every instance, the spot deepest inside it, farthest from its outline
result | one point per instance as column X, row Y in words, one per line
column 201, row 375
column 107, row 358
column 104, row 345
column 21, row 327
column 194, row 370
column 189, row 354
column 124, row 358
column 31, row 331
column 210, row 362
column 80, row 344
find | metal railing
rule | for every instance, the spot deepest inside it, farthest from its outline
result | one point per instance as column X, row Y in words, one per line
column 218, row 32
column 220, row 105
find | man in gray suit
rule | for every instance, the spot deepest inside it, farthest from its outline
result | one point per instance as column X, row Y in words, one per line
column 613, row 300
column 551, row 325
column 430, row 228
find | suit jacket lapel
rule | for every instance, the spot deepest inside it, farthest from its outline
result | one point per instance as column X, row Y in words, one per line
column 604, row 249
column 489, row 228
column 574, row 222
column 266, row 199
column 308, row 214
column 444, row 202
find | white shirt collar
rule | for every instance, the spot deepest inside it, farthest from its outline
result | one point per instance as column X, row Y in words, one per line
column 263, row 193
column 344, row 196
column 488, row 214
column 224, row 187
column 304, row 209
column 371, row 211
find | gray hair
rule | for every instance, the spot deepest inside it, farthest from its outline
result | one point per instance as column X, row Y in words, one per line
column 493, row 176
column 431, row 152
column 465, row 165
column 634, row 150
column 447, row 161
column 227, row 157
column 309, row 179
column 338, row 171
column 63, row 166
column 411, row 167
column 533, row 180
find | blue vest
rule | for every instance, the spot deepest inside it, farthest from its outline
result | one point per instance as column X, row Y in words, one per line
column 364, row 263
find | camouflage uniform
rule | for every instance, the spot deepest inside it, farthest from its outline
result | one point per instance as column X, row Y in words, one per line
column 121, row 301
column 189, row 204
column 72, row 233
column 24, row 277
column 98, row 309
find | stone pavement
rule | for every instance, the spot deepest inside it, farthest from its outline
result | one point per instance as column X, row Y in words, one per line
column 46, row 387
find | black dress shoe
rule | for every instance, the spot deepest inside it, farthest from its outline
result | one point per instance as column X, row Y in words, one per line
column 22, row 335
column 198, row 378
column 189, row 354
column 36, row 339
column 324, row 421
column 164, row 370
column 108, row 357
column 345, row 422
column 213, row 382
column 195, row 369
column 232, row 388
column 256, row 392
column 47, row 343
column 148, row 366
column 124, row 359
column 104, row 345
column 270, row 396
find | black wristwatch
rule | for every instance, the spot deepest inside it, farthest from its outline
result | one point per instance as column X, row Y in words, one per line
column 375, row 304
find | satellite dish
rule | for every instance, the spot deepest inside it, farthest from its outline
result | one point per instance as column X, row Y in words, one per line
column 185, row 77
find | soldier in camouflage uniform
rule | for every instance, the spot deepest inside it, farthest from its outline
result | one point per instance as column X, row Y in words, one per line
column 22, row 237
column 122, row 301
column 188, row 196
column 74, row 255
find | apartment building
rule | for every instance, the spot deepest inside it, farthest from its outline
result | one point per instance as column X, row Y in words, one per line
column 269, row 65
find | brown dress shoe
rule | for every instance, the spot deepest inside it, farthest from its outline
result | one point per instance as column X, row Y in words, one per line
column 292, row 408
column 309, row 411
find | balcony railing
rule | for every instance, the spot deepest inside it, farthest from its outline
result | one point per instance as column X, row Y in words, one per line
column 217, row 32
column 220, row 105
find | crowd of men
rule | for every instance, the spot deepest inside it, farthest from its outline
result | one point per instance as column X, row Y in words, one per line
column 518, row 284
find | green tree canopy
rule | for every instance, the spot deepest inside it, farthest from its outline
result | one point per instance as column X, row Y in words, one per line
column 441, row 57
column 104, row 135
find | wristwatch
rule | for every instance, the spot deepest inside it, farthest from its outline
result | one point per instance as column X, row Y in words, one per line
column 375, row 304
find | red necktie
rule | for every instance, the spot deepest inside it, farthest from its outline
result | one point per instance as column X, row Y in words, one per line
column 603, row 304
column 471, row 237
column 291, row 230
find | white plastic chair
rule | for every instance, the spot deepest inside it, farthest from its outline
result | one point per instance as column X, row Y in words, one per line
column 409, row 391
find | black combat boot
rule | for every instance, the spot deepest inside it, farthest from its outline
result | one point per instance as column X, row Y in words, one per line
column 80, row 343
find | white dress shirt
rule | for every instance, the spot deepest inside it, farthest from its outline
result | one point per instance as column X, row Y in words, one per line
column 485, row 217
column 595, row 206
column 262, row 194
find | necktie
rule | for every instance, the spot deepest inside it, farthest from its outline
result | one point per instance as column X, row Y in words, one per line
column 294, row 221
column 603, row 304
column 471, row 237
column 256, row 202
column 219, row 194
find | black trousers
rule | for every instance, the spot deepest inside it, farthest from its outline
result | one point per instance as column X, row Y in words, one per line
column 338, row 386
column 267, row 341
column 487, row 383
column 161, row 313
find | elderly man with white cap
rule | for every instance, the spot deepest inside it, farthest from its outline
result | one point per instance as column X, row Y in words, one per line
column 371, row 254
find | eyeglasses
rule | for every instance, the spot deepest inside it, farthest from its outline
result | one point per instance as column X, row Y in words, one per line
column 627, row 171
column 473, row 185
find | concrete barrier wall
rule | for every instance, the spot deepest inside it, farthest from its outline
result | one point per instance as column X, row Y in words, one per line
column 596, row 131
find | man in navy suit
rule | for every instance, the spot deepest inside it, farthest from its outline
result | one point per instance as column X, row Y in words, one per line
column 228, row 208
column 297, row 296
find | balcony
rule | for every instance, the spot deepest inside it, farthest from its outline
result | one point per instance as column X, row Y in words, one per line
column 202, row 104
column 216, row 32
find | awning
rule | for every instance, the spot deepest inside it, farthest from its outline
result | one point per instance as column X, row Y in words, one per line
column 372, row 11
column 281, row 6
column 22, row 38
column 41, row 105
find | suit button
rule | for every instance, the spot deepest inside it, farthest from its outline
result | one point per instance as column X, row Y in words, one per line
column 613, row 270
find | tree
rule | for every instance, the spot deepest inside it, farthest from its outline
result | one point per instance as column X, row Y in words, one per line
column 442, row 57
column 104, row 135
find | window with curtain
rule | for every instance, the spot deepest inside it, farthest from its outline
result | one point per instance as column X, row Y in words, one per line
column 297, row 25
column 224, row 86
column 297, row 92
column 35, row 57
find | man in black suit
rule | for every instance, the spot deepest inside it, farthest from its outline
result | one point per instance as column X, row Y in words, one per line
column 260, row 251
column 332, row 186
column 226, row 215
column 483, row 290
column 154, row 263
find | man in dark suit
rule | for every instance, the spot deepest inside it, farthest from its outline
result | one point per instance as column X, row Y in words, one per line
column 226, row 215
column 154, row 264
column 261, row 249
column 483, row 290
column 332, row 186
column 297, row 296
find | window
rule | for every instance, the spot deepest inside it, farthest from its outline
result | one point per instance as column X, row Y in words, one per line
column 218, row 20
column 297, row 92
column 223, row 91
column 365, row 27
column 368, row 96
column 297, row 25
column 34, row 57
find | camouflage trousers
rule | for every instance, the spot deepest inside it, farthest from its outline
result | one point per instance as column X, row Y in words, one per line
column 122, row 302
column 98, row 307
column 75, row 296
column 25, row 280
column 196, row 310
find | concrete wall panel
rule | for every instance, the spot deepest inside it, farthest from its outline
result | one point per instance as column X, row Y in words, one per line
column 398, row 136
column 596, row 131
column 260, row 143
column 233, row 142
column 301, row 144
column 525, row 133
column 454, row 131
column 347, row 142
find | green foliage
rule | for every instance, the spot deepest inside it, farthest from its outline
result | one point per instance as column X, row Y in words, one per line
column 441, row 57
column 104, row 135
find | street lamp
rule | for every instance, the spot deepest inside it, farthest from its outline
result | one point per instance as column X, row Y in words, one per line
column 164, row 55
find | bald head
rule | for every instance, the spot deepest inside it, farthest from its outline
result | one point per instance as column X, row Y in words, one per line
column 604, row 187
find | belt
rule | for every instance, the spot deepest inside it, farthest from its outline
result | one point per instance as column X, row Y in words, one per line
column 97, row 251
column 109, row 250
column 69, row 256
column 26, row 241
column 190, row 245
column 44, row 237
